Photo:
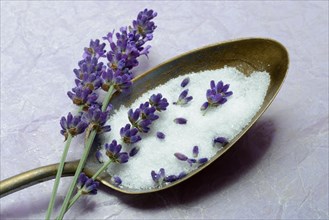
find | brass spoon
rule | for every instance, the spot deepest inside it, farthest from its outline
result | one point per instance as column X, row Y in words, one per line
column 247, row 55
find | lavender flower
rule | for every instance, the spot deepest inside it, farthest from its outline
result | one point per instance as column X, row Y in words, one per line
column 143, row 25
column 220, row 140
column 181, row 156
column 95, row 49
column 72, row 125
column 158, row 102
column 147, row 112
column 113, row 151
column 185, row 82
column 129, row 135
column 202, row 160
column 180, row 121
column 133, row 151
column 87, row 185
column 183, row 99
column 216, row 95
column 121, row 82
column 195, row 151
column 88, row 66
column 173, row 178
column 82, row 96
column 116, row 180
column 97, row 119
column 158, row 177
column 160, row 135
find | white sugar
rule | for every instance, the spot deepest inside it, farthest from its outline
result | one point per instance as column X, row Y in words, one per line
column 226, row 121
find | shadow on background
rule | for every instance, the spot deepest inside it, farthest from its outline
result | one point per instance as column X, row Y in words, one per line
column 235, row 163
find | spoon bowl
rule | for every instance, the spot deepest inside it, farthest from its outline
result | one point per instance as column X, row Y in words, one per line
column 247, row 55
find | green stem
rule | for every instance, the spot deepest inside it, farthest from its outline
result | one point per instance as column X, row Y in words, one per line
column 107, row 98
column 105, row 165
column 83, row 159
column 58, row 176
column 74, row 199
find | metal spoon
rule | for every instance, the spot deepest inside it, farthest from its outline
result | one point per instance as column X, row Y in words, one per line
column 247, row 55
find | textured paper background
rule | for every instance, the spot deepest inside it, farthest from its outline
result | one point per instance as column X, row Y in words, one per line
column 278, row 170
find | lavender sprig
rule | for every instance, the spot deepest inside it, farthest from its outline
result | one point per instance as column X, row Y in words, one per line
column 123, row 55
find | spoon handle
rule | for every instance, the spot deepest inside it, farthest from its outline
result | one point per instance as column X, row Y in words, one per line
column 32, row 177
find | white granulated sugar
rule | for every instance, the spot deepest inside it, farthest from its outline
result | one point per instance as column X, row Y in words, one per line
column 226, row 120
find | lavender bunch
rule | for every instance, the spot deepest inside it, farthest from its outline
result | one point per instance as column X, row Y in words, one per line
column 91, row 75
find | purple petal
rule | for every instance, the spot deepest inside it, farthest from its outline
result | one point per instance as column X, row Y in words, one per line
column 185, row 82
column 180, row 156
column 180, row 120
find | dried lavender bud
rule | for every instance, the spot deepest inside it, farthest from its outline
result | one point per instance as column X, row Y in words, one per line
column 170, row 178
column 143, row 125
column 87, row 185
column 181, row 175
column 72, row 125
column 185, row 82
column 221, row 140
column 99, row 156
column 96, row 118
column 116, row 180
column 133, row 116
column 147, row 111
column 180, row 121
column 129, row 135
column 183, row 99
column 195, row 151
column 202, row 160
column 158, row 102
column 161, row 135
column 114, row 154
column 133, row 151
column 181, row 156
column 191, row 161
column 158, row 177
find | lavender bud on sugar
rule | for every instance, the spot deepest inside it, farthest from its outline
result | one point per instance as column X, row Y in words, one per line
column 116, row 180
column 170, row 178
column 195, row 151
column 113, row 151
column 183, row 99
column 191, row 161
column 158, row 177
column 202, row 160
column 185, row 82
column 216, row 95
column 160, row 135
column 180, row 156
column 133, row 151
column 180, row 121
column 158, row 102
column 221, row 140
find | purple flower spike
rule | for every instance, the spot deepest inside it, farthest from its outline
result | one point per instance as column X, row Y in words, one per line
column 158, row 102
column 158, row 177
column 195, row 151
column 221, row 140
column 113, row 152
column 161, row 135
column 129, row 135
column 183, row 99
column 181, row 157
column 87, row 185
column 185, row 82
column 133, row 151
column 116, row 180
column 180, row 121
column 72, row 125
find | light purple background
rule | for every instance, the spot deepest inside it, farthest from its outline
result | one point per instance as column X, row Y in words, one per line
column 278, row 170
